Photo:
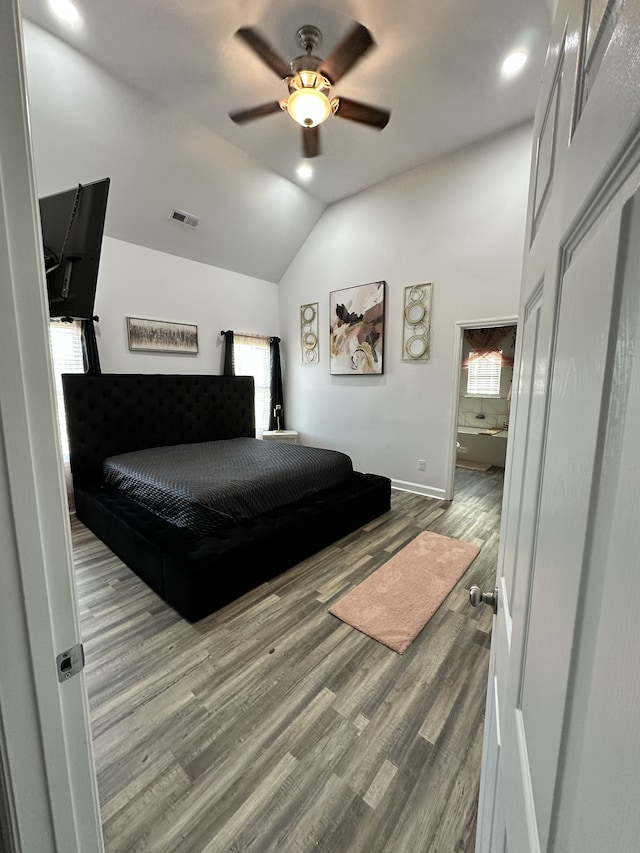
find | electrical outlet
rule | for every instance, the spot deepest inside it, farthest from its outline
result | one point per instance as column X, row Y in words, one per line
column 422, row 465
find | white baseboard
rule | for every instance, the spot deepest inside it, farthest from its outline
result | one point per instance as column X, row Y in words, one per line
column 419, row 489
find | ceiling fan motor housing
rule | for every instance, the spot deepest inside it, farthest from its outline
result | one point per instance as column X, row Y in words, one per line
column 306, row 62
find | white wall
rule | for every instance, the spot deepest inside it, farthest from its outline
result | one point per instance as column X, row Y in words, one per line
column 458, row 222
column 138, row 282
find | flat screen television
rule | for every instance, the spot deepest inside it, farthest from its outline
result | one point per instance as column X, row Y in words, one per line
column 72, row 225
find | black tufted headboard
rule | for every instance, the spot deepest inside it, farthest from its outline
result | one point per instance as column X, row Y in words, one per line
column 115, row 413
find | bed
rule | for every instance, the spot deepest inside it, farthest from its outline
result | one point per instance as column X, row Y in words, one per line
column 197, row 566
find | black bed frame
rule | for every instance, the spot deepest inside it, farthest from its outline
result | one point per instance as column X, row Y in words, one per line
column 117, row 413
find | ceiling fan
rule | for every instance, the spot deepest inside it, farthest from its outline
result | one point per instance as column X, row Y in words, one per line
column 309, row 79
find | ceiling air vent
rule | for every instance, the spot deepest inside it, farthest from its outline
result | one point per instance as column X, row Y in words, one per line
column 184, row 218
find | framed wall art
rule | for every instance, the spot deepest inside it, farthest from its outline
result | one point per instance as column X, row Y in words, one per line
column 309, row 333
column 416, row 332
column 161, row 336
column 356, row 324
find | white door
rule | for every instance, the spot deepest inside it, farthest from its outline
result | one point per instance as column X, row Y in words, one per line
column 47, row 781
column 561, row 762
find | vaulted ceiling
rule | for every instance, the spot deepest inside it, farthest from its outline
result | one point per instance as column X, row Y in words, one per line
column 142, row 90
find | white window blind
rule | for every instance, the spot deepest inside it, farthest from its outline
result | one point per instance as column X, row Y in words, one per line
column 483, row 379
column 66, row 353
column 251, row 355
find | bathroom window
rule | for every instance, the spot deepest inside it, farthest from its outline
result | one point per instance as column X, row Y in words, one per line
column 483, row 379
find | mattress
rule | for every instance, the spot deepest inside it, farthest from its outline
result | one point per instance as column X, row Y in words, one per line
column 203, row 487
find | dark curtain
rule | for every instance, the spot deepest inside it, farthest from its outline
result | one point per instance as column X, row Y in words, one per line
column 90, row 355
column 485, row 342
column 228, row 368
column 277, row 396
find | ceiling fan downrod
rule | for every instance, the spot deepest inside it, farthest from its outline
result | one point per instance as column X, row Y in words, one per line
column 309, row 38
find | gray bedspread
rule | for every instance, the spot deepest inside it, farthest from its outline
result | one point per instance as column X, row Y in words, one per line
column 206, row 486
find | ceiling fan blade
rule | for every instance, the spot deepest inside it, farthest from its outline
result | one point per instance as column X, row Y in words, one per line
column 264, row 50
column 243, row 116
column 363, row 113
column 310, row 141
column 347, row 53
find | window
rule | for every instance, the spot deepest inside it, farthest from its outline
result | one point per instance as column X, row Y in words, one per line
column 66, row 354
column 251, row 355
column 483, row 379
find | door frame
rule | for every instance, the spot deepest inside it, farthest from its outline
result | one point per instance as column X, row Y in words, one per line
column 46, row 761
column 458, row 337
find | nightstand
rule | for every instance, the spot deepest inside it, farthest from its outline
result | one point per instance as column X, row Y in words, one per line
column 288, row 436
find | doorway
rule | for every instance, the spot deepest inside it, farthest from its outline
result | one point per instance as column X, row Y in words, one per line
column 479, row 435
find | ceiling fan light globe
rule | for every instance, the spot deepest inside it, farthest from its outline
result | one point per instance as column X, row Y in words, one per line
column 309, row 107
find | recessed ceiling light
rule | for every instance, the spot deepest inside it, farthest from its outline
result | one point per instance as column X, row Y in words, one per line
column 514, row 63
column 304, row 172
column 65, row 10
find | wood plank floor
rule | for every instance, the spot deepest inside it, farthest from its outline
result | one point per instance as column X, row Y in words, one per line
column 271, row 725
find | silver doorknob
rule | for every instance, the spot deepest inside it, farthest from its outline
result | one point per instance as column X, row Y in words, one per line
column 477, row 597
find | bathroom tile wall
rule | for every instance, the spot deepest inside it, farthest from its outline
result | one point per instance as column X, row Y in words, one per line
column 493, row 410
